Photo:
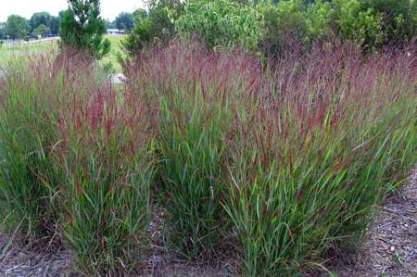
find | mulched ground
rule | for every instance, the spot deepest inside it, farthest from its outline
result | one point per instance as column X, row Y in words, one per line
column 16, row 261
column 389, row 249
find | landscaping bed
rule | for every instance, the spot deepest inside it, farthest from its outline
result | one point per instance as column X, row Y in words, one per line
column 207, row 162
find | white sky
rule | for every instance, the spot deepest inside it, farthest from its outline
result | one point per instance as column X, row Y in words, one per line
column 109, row 8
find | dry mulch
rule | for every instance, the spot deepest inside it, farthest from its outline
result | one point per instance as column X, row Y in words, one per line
column 389, row 249
column 390, row 246
column 19, row 261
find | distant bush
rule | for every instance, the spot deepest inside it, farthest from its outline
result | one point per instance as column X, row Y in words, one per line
column 277, row 26
column 154, row 26
column 398, row 19
column 318, row 19
column 272, row 27
column 285, row 26
column 41, row 30
column 358, row 24
column 221, row 23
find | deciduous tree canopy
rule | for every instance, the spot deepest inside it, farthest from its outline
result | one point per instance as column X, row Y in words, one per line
column 16, row 27
column 124, row 21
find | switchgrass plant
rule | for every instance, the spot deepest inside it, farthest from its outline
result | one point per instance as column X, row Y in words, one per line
column 193, row 89
column 108, row 174
column 284, row 163
column 105, row 155
column 76, row 157
column 309, row 166
column 301, row 153
column 192, row 150
column 29, row 185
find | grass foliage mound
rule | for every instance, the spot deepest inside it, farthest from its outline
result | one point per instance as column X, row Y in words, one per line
column 282, row 162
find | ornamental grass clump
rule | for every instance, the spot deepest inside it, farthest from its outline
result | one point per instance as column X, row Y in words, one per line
column 331, row 134
column 105, row 155
column 279, row 163
column 196, row 91
column 76, row 162
column 29, row 183
column 289, row 159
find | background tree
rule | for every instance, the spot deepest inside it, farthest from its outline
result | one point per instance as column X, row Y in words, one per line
column 54, row 25
column 221, row 23
column 16, row 27
column 44, row 18
column 83, row 28
column 109, row 24
column 273, row 27
column 2, row 30
column 39, row 18
column 398, row 18
column 42, row 30
column 358, row 23
column 155, row 25
column 61, row 16
column 139, row 14
column 124, row 21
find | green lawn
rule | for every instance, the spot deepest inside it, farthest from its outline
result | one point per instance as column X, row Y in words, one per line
column 10, row 52
column 116, row 49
